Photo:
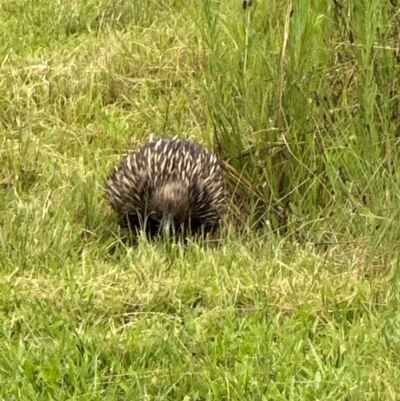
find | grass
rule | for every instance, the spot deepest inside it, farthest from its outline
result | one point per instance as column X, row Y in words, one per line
column 300, row 299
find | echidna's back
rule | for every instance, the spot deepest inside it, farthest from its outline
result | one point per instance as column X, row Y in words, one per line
column 136, row 189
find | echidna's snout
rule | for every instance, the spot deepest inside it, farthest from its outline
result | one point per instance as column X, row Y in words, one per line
column 169, row 206
column 167, row 226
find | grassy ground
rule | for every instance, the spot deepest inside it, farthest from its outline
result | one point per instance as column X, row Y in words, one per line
column 305, row 111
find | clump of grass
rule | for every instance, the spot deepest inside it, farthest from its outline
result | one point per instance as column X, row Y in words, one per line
column 305, row 113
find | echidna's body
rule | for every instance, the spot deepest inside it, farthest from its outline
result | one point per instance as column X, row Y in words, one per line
column 169, row 184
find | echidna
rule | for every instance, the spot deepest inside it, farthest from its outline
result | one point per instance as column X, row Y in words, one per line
column 169, row 185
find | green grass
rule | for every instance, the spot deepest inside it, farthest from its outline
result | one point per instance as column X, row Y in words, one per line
column 299, row 300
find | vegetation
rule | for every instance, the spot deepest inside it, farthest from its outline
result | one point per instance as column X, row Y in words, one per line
column 299, row 299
